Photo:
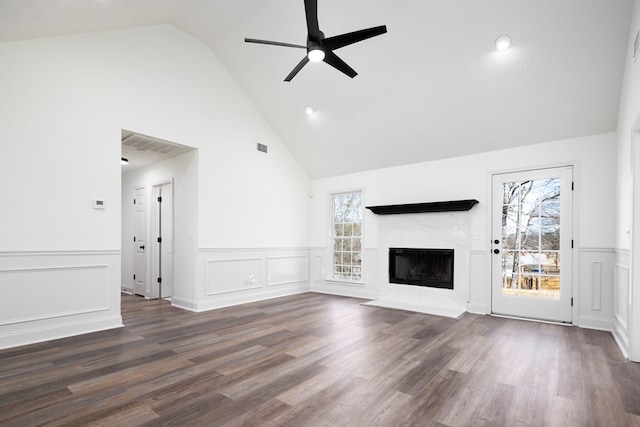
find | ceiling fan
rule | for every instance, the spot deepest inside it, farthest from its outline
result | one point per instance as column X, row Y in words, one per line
column 320, row 48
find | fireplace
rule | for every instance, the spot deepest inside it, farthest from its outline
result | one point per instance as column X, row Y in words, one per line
column 421, row 267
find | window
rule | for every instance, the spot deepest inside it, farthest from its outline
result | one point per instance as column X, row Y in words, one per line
column 346, row 236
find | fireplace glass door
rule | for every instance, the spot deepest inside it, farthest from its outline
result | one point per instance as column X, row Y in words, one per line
column 531, row 244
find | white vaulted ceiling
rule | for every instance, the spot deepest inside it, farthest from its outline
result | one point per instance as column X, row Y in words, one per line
column 433, row 87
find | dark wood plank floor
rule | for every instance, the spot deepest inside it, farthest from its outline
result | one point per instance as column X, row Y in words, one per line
column 318, row 360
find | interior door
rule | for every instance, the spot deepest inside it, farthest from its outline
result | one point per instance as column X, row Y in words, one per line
column 167, row 240
column 140, row 243
column 532, row 244
column 162, row 257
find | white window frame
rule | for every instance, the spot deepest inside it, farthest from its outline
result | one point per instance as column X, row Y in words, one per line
column 330, row 277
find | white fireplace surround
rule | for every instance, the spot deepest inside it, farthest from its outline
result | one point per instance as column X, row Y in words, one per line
column 439, row 230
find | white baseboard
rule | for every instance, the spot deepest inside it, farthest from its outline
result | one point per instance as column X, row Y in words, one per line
column 344, row 290
column 227, row 300
column 596, row 323
column 477, row 309
column 184, row 304
column 64, row 330
column 436, row 311
column 621, row 338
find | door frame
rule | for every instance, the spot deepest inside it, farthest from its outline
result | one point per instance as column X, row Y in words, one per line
column 575, row 225
column 633, row 321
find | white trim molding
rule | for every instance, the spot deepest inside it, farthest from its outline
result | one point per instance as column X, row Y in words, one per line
column 234, row 276
column 55, row 294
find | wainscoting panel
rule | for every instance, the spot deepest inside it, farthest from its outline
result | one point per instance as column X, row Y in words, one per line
column 317, row 268
column 621, row 295
column 233, row 275
column 237, row 276
column 596, row 285
column 287, row 269
column 66, row 290
column 54, row 294
column 594, row 293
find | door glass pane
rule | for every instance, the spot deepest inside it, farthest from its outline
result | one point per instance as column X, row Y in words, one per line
column 531, row 238
column 550, row 238
column 551, row 262
column 509, row 237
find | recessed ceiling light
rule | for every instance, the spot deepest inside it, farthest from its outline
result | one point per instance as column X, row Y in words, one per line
column 503, row 42
column 308, row 110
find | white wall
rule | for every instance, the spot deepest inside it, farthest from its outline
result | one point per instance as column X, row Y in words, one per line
column 469, row 178
column 64, row 102
column 627, row 285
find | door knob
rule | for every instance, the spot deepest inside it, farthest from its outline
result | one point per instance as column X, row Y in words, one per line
column 496, row 251
column 142, row 247
column 496, row 241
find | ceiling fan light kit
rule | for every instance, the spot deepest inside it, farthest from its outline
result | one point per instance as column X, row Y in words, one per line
column 316, row 55
column 320, row 48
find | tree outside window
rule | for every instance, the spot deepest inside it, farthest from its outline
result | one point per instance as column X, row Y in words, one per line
column 346, row 239
column 531, row 238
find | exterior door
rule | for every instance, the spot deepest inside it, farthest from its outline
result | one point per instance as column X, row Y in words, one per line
column 140, row 243
column 532, row 244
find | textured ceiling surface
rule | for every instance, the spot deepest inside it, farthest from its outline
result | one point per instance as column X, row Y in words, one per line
column 433, row 87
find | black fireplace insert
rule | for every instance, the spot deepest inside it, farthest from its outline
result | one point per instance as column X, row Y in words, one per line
column 421, row 267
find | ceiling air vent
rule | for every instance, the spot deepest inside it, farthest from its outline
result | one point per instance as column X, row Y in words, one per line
column 147, row 143
column 262, row 147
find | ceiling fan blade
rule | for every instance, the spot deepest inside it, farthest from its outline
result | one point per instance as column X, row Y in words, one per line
column 337, row 63
column 311, row 11
column 247, row 40
column 297, row 69
column 336, row 42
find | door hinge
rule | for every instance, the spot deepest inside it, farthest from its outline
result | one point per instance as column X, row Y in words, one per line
column 571, row 243
column 573, row 186
column 159, row 279
column 134, row 277
column 571, row 301
column 159, row 239
column 134, row 201
column 160, row 199
column 134, row 238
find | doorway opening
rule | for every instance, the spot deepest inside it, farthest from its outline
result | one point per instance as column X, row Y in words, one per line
column 153, row 212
